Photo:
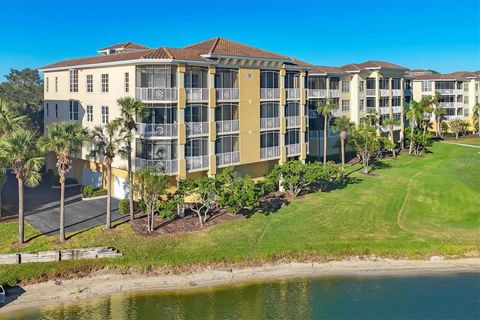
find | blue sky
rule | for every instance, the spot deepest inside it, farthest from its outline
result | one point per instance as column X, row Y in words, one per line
column 441, row 35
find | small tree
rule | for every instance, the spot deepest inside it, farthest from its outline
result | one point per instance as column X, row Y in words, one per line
column 366, row 143
column 390, row 123
column 414, row 114
column 204, row 193
column 389, row 145
column 344, row 126
column 456, row 126
column 325, row 110
column 151, row 185
column 295, row 176
column 443, row 128
column 476, row 117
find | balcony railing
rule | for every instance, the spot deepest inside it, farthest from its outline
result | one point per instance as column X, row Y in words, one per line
column 227, row 126
column 334, row 93
column 293, row 149
column 196, row 128
column 396, row 92
column 270, row 123
column 453, row 117
column 156, row 94
column 371, row 110
column 170, row 167
column 384, row 110
column 293, row 121
column 397, row 109
column 227, row 94
column 384, row 92
column 445, row 91
column 270, row 152
column 228, row 158
column 197, row 163
column 292, row 93
column 270, row 93
column 316, row 93
column 451, row 104
column 371, row 92
column 196, row 94
column 157, row 129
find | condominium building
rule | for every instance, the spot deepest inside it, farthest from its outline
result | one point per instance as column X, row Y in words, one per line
column 459, row 91
column 213, row 104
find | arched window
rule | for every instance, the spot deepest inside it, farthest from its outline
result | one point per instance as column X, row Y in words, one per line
column 269, row 79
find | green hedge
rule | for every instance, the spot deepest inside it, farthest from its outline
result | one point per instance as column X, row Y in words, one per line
column 88, row 191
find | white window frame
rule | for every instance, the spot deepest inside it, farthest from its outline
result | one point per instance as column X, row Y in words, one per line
column 56, row 84
column 426, row 86
column 127, row 82
column 345, row 105
column 73, row 76
column 105, row 114
column 73, row 114
column 345, row 86
column 105, row 82
column 362, row 105
column 46, row 84
column 89, row 82
column 89, row 113
column 361, row 87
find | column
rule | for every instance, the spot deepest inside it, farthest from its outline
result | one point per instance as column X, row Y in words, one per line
column 281, row 114
column 402, row 112
column 182, row 166
column 212, row 130
column 377, row 98
column 303, row 118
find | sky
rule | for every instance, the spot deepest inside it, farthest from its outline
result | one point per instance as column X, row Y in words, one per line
column 442, row 35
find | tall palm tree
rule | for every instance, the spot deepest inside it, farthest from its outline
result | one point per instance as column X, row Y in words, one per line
column 476, row 116
column 390, row 122
column 438, row 111
column 344, row 126
column 414, row 114
column 64, row 139
column 21, row 155
column 325, row 110
column 129, row 108
column 427, row 107
column 107, row 142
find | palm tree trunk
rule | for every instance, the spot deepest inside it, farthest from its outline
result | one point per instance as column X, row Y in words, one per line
column 130, row 179
column 21, row 218
column 108, row 223
column 62, row 206
column 325, row 140
column 342, row 143
column 411, row 136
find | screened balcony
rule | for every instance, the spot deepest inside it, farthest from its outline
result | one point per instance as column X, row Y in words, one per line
column 269, row 115
column 269, row 85
column 196, row 119
column 292, row 142
column 371, row 87
column 156, row 83
column 269, row 145
column 196, row 84
column 334, row 87
column 316, row 87
column 226, row 118
column 226, row 85
column 161, row 154
column 161, row 121
column 227, row 150
column 196, row 154
column 292, row 86
column 292, row 114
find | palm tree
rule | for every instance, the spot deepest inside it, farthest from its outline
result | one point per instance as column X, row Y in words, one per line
column 21, row 155
column 390, row 122
column 108, row 142
column 476, row 117
column 427, row 107
column 64, row 139
column 129, row 108
column 344, row 126
column 438, row 111
column 325, row 110
column 414, row 114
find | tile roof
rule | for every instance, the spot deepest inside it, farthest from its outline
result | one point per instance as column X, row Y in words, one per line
column 326, row 70
column 224, row 47
column 128, row 45
column 458, row 75
column 372, row 64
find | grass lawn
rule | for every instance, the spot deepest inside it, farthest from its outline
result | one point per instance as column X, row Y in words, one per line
column 473, row 140
column 411, row 207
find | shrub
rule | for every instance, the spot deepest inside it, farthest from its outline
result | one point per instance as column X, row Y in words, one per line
column 124, row 206
column 87, row 190
column 99, row 192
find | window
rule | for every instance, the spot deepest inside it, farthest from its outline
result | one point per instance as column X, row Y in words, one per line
column 227, row 143
column 196, row 77
column 465, row 87
column 196, row 113
column 157, row 76
column 47, row 110
column 396, row 101
column 89, row 113
column 476, row 86
column 384, row 102
column 226, row 112
column 196, row 147
column 345, row 86
column 292, row 109
column 362, row 105
column 345, row 105
column 127, row 82
column 268, row 79
column 226, row 78
column 465, row 113
column 426, row 86
column 465, row 99
column 56, row 84
column 269, row 139
column 269, row 110
column 73, row 110
column 89, row 83
column 73, row 80
column 292, row 136
column 105, row 82
column 156, row 150
column 361, row 88
column 104, row 114
column 292, row 80
column 46, row 84
column 314, row 82
column 396, row 83
column 56, row 109
column 164, row 113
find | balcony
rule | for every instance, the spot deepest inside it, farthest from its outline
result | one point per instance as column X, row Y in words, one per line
column 156, row 94
column 269, row 93
column 316, row 93
column 292, row 93
column 270, row 153
column 371, row 110
column 371, row 92
column 293, row 121
column 170, row 167
column 451, row 104
column 228, row 158
column 227, row 94
column 197, row 163
column 293, row 149
column 157, row 129
column 396, row 92
column 397, row 109
column 453, row 117
column 384, row 92
column 446, row 91
column 337, row 113
column 196, row 128
column 196, row 94
column 227, row 126
column 334, row 93
column 270, row 123
column 384, row 110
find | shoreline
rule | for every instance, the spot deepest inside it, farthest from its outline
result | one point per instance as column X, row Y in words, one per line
column 102, row 283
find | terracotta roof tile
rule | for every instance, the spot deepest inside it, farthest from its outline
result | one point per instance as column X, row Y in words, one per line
column 326, row 70
column 458, row 75
column 129, row 45
column 370, row 65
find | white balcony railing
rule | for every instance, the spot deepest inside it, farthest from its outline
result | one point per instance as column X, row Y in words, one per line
column 228, row 158
column 293, row 121
column 371, row 92
column 371, row 110
column 397, row 109
column 197, row 163
column 196, row 128
column 445, row 91
column 227, row 126
column 396, row 92
column 196, row 94
column 384, row 110
column 451, row 104
column 270, row 152
column 384, row 92
column 269, row 93
column 459, row 91
column 397, row 127
column 293, row 149
column 157, row 129
column 334, row 93
column 292, row 93
column 156, row 94
column 170, row 167
column 316, row 93
column 453, row 117
column 227, row 94
column 270, row 123
column 337, row 112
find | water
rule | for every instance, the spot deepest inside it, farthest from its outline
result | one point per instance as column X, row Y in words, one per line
column 407, row 297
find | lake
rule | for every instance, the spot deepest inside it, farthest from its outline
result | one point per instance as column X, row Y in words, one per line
column 453, row 296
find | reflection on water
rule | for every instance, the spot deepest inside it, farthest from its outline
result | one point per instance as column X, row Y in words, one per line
column 434, row 297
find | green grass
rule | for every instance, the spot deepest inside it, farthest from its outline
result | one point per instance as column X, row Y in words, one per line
column 472, row 139
column 412, row 207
